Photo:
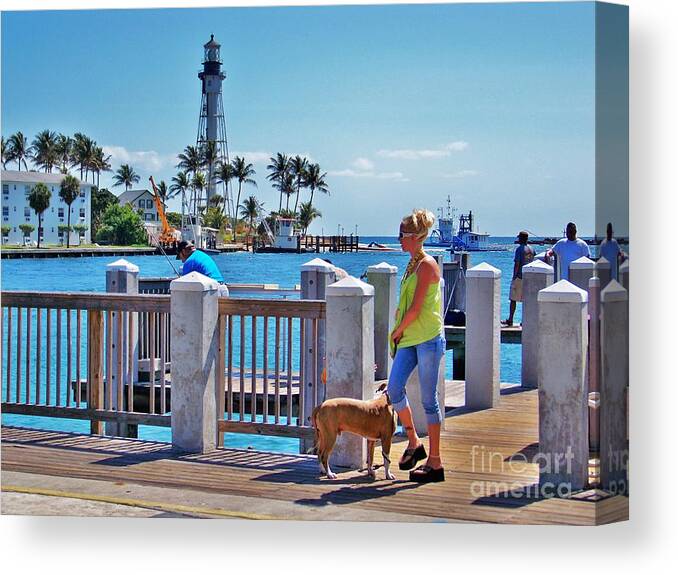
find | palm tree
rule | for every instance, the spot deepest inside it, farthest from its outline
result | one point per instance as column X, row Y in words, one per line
column 39, row 199
column 208, row 152
column 125, row 176
column 19, row 149
column 298, row 167
column 242, row 171
column 100, row 163
column 70, row 188
column 279, row 167
column 163, row 192
column 198, row 183
column 190, row 160
column 286, row 186
column 44, row 150
column 180, row 185
column 6, row 156
column 224, row 175
column 316, row 181
column 251, row 209
column 64, row 151
column 83, row 153
column 307, row 213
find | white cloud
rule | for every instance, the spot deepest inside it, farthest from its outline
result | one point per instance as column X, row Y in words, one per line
column 363, row 164
column 253, row 157
column 348, row 173
column 461, row 174
column 150, row 161
column 442, row 152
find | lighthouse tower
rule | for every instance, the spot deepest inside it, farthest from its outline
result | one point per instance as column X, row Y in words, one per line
column 212, row 125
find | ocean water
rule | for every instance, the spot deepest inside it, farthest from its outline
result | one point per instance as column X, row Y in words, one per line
column 88, row 274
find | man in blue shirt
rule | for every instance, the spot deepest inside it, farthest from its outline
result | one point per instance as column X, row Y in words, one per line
column 524, row 255
column 197, row 261
column 569, row 249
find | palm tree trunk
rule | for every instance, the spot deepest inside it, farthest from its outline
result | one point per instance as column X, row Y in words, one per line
column 68, row 231
column 39, row 228
column 296, row 201
column 235, row 225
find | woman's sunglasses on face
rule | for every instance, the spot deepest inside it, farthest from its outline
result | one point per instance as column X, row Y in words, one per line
column 402, row 235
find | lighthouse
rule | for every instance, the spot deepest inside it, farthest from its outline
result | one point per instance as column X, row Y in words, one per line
column 212, row 124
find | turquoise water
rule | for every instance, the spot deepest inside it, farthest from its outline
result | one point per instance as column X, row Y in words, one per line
column 88, row 274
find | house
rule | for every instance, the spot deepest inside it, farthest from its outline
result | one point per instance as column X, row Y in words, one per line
column 16, row 187
column 142, row 200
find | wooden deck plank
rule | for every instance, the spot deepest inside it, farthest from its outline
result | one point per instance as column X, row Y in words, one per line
column 507, row 431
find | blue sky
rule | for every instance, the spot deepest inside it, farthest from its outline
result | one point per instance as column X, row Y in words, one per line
column 400, row 105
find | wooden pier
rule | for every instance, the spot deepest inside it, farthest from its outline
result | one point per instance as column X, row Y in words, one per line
column 487, row 479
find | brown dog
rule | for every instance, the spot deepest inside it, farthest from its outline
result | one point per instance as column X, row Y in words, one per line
column 373, row 419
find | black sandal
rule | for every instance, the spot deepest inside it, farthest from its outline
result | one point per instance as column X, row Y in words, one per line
column 426, row 474
column 411, row 456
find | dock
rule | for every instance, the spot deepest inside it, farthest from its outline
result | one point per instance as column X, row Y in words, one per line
column 486, row 477
column 76, row 252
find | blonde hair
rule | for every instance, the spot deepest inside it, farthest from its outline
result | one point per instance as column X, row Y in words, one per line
column 419, row 222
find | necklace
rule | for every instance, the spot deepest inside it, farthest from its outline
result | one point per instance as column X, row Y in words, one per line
column 420, row 255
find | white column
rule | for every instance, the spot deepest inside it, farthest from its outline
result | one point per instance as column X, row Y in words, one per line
column 536, row 276
column 122, row 277
column 350, row 356
column 316, row 275
column 563, row 401
column 614, row 331
column 581, row 271
column 603, row 271
column 194, row 347
column 483, row 291
column 624, row 274
column 383, row 278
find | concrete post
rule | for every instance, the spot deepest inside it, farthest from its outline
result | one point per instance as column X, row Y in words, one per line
column 536, row 276
column 624, row 274
column 563, row 401
column 383, row 278
column 614, row 327
column 316, row 275
column 350, row 356
column 603, row 271
column 194, row 347
column 581, row 271
column 122, row 277
column 483, row 292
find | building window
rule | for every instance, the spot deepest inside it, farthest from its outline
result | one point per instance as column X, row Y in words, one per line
column 82, row 213
column 5, row 210
column 27, row 212
column 27, row 190
column 5, row 188
column 141, row 203
column 82, row 192
column 149, row 204
column 60, row 213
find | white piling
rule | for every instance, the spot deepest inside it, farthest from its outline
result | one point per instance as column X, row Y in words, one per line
column 316, row 275
column 603, row 271
column 624, row 274
column 614, row 324
column 122, row 277
column 581, row 271
column 483, row 291
column 350, row 356
column 563, row 401
column 383, row 278
column 536, row 276
column 194, row 348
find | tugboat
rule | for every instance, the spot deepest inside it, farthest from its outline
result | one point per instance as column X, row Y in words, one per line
column 467, row 239
column 283, row 238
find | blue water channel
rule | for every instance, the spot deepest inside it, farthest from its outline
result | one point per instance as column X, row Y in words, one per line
column 88, row 274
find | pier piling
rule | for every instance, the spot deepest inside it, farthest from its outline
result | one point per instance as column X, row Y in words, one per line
column 581, row 271
column 383, row 278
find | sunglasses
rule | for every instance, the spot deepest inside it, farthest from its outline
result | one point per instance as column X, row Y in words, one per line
column 402, row 235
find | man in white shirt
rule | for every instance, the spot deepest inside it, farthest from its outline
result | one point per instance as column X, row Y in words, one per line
column 569, row 249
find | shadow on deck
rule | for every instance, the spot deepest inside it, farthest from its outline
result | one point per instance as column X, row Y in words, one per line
column 486, row 455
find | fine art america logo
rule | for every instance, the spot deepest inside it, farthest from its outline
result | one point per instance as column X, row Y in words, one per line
column 552, row 465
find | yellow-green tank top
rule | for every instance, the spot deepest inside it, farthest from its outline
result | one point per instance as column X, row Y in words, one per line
column 429, row 322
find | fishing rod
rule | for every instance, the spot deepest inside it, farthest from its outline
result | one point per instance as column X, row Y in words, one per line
column 164, row 253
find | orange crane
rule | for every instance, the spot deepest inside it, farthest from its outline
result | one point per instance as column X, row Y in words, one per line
column 168, row 234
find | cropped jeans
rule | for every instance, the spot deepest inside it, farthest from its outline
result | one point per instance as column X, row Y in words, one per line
column 426, row 358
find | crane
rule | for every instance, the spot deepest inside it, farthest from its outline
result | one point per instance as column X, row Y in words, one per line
column 168, row 234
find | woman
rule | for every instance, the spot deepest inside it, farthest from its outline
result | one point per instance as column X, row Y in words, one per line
column 417, row 341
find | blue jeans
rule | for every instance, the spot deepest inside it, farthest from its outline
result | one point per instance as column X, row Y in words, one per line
column 426, row 358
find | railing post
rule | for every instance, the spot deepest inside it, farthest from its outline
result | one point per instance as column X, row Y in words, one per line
column 614, row 329
column 194, row 348
column 350, row 356
column 624, row 274
column 563, row 398
column 383, row 278
column 95, row 366
column 581, row 271
column 536, row 276
column 483, row 291
column 122, row 277
column 316, row 275
column 603, row 270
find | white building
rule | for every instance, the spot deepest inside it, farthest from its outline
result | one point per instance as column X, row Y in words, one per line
column 142, row 200
column 16, row 187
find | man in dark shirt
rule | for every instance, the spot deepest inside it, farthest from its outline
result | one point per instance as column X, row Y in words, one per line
column 524, row 255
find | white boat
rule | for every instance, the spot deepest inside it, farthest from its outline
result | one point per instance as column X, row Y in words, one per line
column 443, row 235
column 468, row 239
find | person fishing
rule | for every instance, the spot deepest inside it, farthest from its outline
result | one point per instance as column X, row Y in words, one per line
column 197, row 261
